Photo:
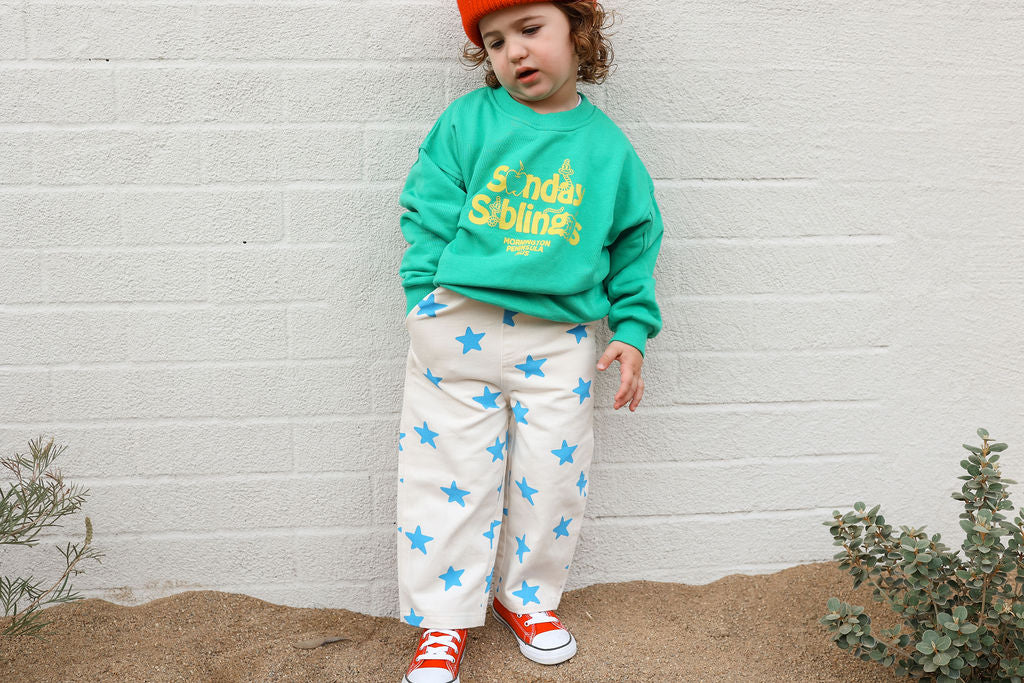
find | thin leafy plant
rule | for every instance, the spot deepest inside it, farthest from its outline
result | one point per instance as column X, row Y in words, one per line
column 964, row 616
column 36, row 499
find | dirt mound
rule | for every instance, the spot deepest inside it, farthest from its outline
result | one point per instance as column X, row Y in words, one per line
column 739, row 628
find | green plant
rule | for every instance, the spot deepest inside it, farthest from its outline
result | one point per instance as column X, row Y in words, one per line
column 36, row 499
column 965, row 617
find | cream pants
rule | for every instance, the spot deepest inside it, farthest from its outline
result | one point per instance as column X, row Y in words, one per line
column 495, row 444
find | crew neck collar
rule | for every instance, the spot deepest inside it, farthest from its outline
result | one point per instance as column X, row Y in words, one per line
column 558, row 120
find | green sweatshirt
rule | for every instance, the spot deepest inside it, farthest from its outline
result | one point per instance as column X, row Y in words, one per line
column 552, row 215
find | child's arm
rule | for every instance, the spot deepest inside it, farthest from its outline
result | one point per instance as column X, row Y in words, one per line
column 634, row 314
column 434, row 194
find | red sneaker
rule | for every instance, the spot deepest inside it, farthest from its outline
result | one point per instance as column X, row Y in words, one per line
column 437, row 656
column 542, row 637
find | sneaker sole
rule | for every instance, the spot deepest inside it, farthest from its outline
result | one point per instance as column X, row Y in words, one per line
column 554, row 656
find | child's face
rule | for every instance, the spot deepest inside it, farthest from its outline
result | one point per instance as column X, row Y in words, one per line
column 533, row 37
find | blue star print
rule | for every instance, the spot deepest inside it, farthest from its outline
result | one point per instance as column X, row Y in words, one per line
column 531, row 366
column 487, row 398
column 521, row 548
column 430, row 307
column 581, row 482
column 419, row 539
column 496, row 451
column 451, row 577
column 490, row 576
column 455, row 494
column 583, row 390
column 526, row 490
column 527, row 594
column 565, row 452
column 489, row 535
column 426, row 435
column 563, row 527
column 413, row 618
column 401, row 435
column 508, row 317
column 520, row 411
column 580, row 331
column 433, row 378
column 470, row 340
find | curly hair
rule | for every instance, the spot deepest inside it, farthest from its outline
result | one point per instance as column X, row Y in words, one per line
column 586, row 20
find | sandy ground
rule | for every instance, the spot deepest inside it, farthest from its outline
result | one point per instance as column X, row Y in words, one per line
column 739, row 628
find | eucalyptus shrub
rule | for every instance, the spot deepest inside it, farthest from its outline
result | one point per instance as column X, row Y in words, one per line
column 964, row 617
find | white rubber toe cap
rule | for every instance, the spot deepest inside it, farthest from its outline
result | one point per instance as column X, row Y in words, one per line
column 551, row 639
column 429, row 676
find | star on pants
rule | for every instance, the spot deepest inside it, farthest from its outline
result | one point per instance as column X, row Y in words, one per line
column 531, row 366
column 455, row 494
column 526, row 490
column 430, row 307
column 521, row 548
column 419, row 539
column 426, row 434
column 527, row 594
column 470, row 340
column 565, row 452
column 583, row 390
column 563, row 527
column 452, row 577
column 580, row 331
column 488, row 398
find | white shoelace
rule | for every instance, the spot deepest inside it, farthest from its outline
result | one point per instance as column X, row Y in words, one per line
column 436, row 646
column 540, row 618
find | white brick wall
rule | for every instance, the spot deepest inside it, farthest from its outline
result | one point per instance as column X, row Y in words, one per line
column 199, row 295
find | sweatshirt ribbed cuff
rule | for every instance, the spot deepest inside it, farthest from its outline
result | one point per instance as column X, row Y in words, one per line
column 632, row 333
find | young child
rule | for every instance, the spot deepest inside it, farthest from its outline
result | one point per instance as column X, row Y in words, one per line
column 530, row 218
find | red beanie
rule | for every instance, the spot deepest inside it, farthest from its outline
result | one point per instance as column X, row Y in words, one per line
column 474, row 10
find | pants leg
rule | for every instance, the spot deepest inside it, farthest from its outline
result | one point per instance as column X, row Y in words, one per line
column 453, row 446
column 548, row 369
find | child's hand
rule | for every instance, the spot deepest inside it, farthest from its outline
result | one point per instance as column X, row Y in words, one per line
column 630, row 360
